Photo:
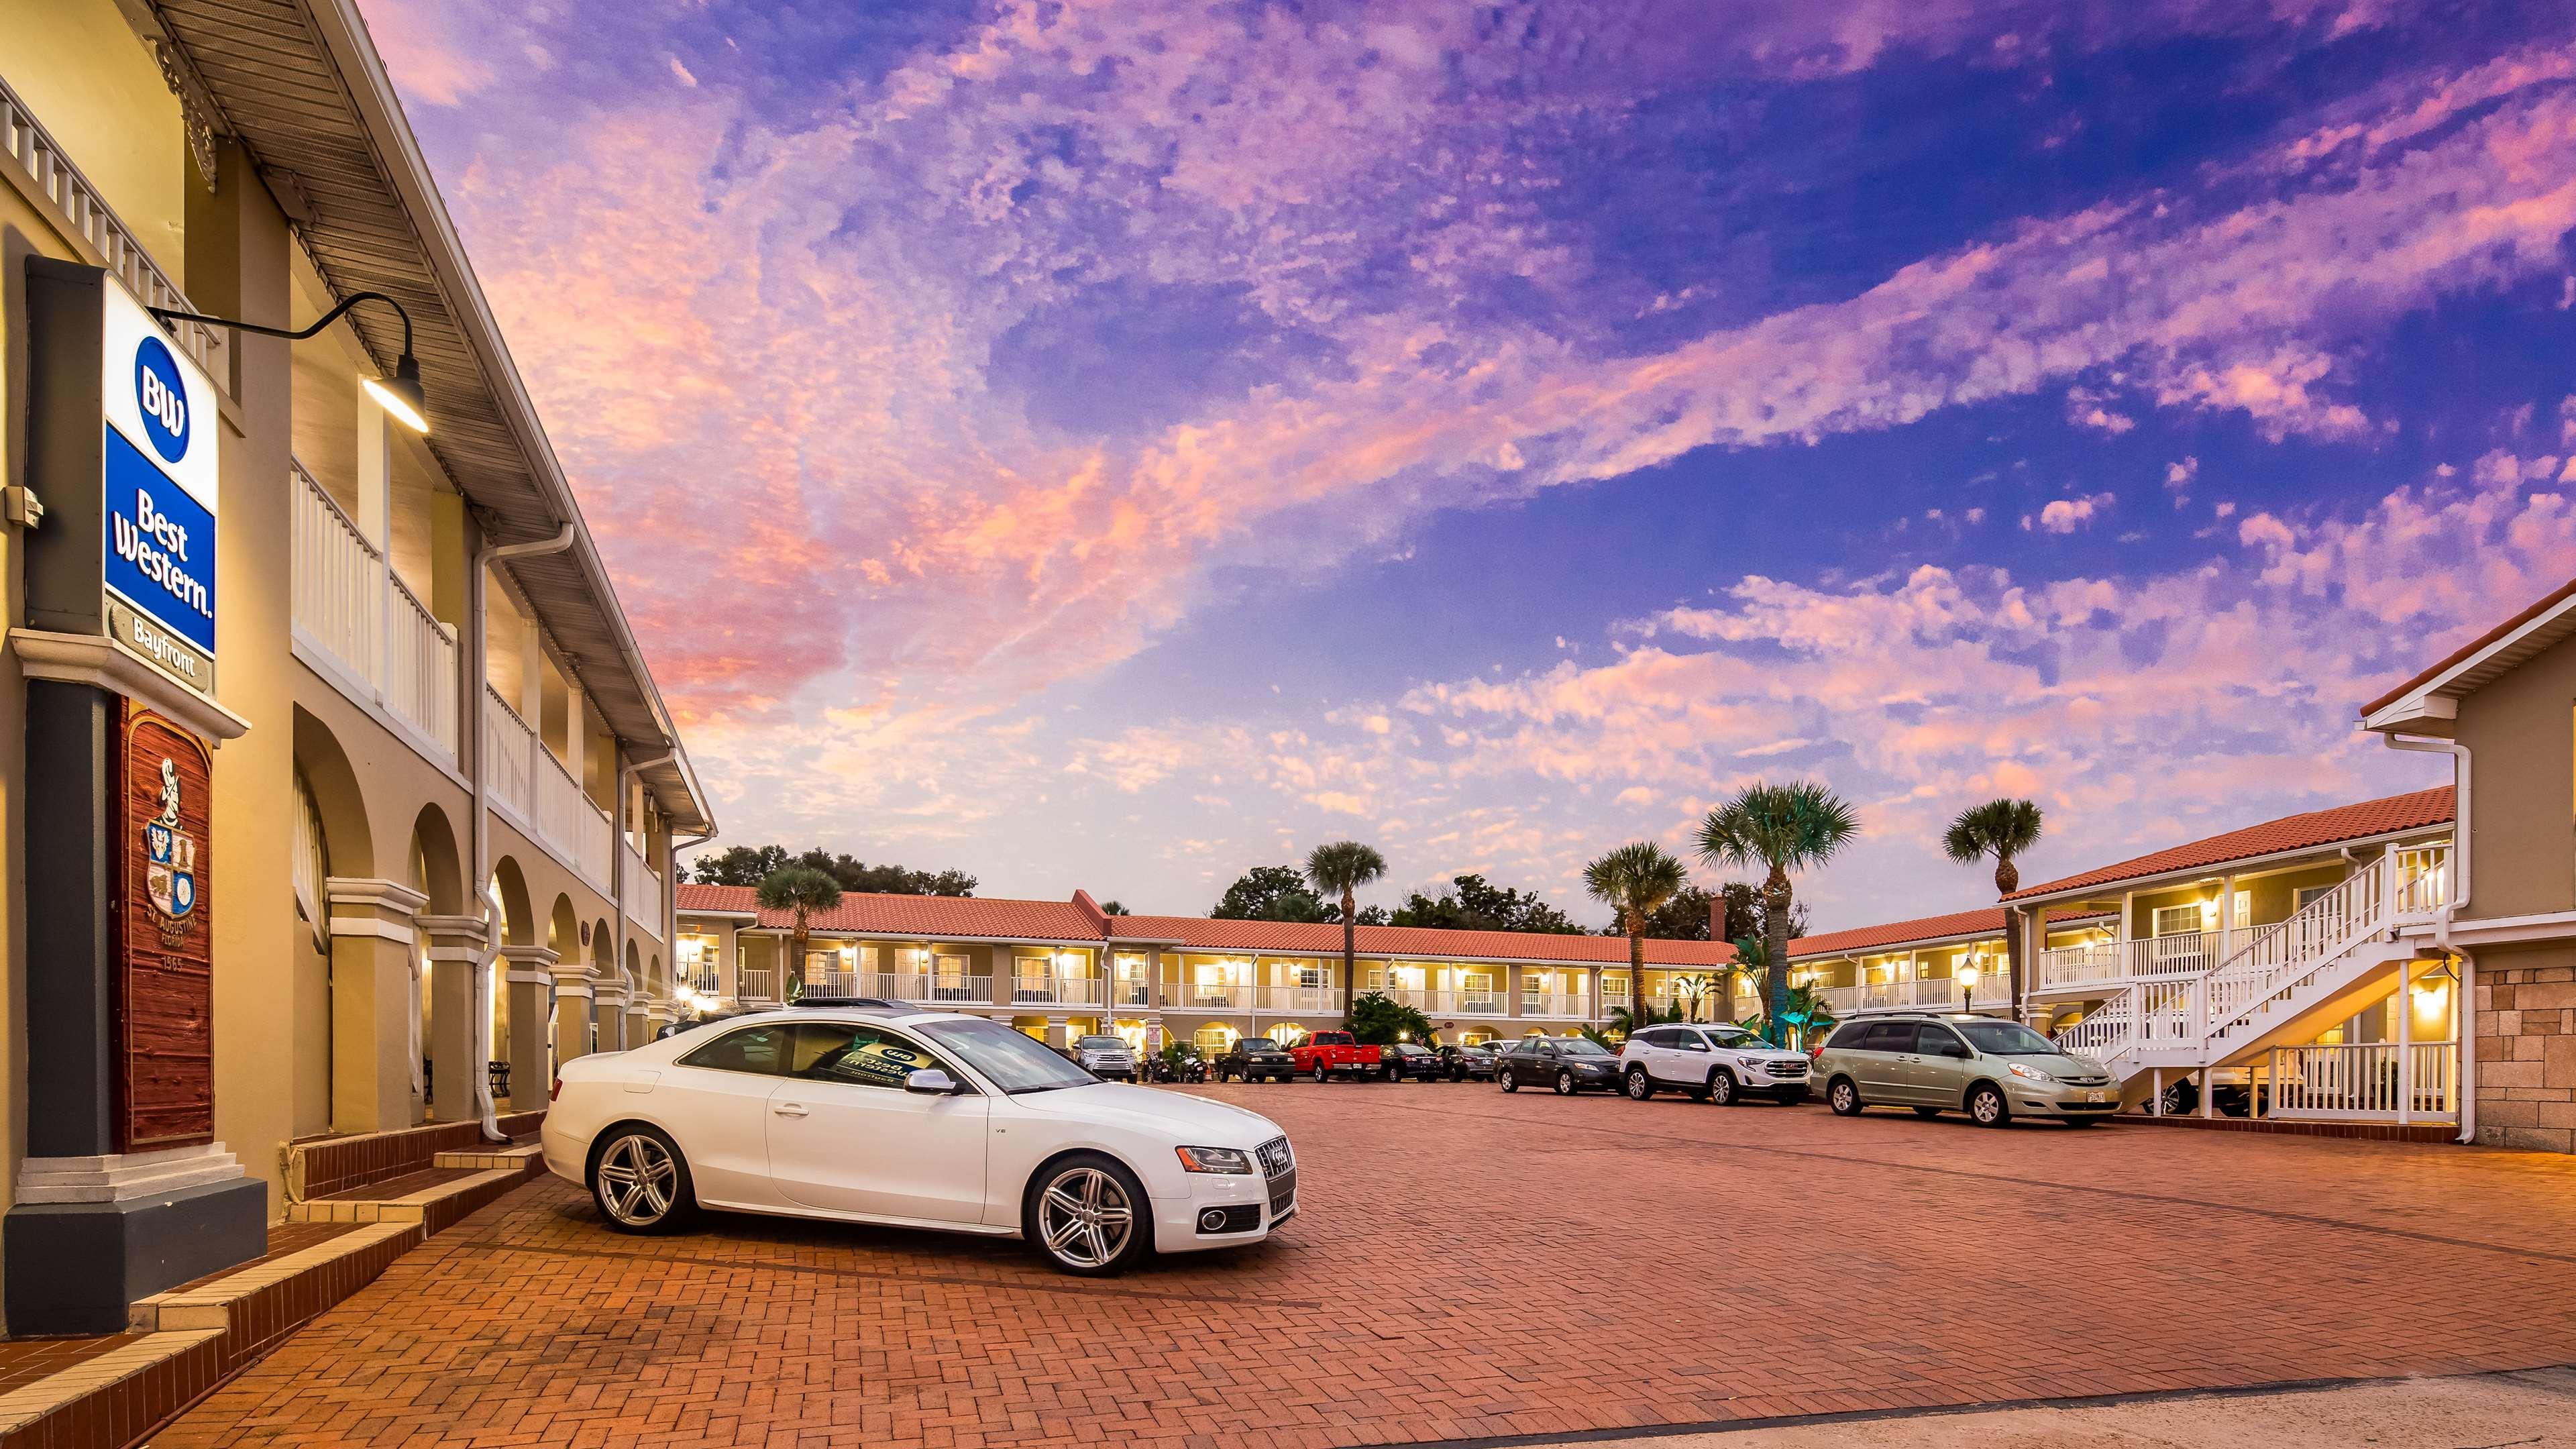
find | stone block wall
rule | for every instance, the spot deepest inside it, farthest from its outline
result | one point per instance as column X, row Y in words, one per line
column 2526, row 1051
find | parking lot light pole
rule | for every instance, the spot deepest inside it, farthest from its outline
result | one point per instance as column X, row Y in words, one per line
column 1968, row 986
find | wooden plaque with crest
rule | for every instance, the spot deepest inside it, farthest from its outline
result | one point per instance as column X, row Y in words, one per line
column 165, row 989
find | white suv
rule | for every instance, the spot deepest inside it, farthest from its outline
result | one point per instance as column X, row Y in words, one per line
column 1713, row 1062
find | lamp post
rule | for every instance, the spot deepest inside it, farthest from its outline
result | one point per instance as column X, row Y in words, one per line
column 400, row 395
column 1968, row 986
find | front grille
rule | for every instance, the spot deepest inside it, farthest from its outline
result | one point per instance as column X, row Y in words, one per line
column 1787, row 1069
column 1283, row 1192
column 1276, row 1160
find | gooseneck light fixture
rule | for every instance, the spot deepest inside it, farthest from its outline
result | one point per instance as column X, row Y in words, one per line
column 400, row 395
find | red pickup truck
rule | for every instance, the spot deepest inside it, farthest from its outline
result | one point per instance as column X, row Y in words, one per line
column 1327, row 1054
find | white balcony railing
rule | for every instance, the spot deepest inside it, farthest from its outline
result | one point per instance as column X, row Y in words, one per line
column 354, row 609
column 2360, row 1080
column 1451, row 1001
column 643, row 887
column 566, row 816
column 537, row 792
column 973, row 988
column 755, row 983
column 1302, row 999
column 2186, row 953
column 1057, row 990
column 35, row 152
column 1564, row 1003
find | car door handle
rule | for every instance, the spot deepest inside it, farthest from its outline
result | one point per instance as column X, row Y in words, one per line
column 789, row 1109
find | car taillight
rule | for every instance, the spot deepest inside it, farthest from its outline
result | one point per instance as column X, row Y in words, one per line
column 556, row 1090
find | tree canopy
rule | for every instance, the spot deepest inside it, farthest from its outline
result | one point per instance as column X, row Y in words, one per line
column 1280, row 893
column 1268, row 893
column 749, row 865
column 1471, row 903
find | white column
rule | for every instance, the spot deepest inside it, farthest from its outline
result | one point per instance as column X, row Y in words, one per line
column 577, row 735
column 2226, row 917
column 532, row 688
column 2405, row 1009
column 375, row 473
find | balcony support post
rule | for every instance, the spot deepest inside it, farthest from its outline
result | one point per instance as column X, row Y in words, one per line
column 2403, row 1004
column 455, row 961
column 374, row 1008
column 572, row 1017
column 530, row 979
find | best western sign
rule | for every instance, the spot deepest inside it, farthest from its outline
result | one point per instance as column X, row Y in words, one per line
column 122, row 451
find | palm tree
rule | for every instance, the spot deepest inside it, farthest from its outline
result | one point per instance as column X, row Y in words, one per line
column 1781, row 828
column 1634, row 880
column 2002, row 829
column 808, row 892
column 1340, row 869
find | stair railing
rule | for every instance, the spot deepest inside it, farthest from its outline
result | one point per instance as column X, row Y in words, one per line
column 2281, row 956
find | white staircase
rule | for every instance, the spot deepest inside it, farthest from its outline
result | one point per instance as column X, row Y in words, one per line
column 2289, row 980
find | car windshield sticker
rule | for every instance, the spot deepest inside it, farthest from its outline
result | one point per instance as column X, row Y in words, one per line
column 877, row 1063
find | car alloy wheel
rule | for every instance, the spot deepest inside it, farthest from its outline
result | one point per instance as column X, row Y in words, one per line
column 1509, row 1082
column 1087, row 1217
column 1721, row 1088
column 1320, row 1078
column 640, row 1183
column 1565, row 1085
column 1844, row 1097
column 1640, row 1086
column 1986, row 1105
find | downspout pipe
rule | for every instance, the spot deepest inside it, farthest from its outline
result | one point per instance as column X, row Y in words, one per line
column 2467, row 1009
column 478, row 605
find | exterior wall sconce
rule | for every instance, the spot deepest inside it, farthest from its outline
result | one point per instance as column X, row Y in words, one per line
column 400, row 395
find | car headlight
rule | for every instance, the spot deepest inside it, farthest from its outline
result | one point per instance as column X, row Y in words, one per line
column 1750, row 1064
column 2034, row 1074
column 1215, row 1159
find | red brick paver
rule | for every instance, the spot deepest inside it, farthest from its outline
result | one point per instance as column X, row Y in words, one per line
column 1472, row 1264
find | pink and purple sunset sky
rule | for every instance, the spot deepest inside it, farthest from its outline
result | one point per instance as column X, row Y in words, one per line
column 1115, row 443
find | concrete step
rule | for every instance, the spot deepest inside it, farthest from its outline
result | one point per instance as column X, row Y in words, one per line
column 522, row 1156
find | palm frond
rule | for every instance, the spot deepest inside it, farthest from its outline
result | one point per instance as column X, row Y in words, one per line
column 1343, row 866
column 1784, row 828
column 1998, row 828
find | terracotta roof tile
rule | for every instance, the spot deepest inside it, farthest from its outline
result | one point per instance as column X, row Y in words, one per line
column 987, row 918
column 1988, row 922
column 2543, row 605
column 947, row 917
column 1403, row 941
column 2421, row 809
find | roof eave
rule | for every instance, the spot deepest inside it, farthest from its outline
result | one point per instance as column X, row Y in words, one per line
column 2237, row 866
column 344, row 36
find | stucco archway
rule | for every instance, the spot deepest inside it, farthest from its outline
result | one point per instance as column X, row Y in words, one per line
column 518, row 917
column 437, row 871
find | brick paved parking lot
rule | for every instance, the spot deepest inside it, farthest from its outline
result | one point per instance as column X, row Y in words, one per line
column 1471, row 1264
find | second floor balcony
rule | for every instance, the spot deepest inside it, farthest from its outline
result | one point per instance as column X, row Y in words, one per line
column 366, row 625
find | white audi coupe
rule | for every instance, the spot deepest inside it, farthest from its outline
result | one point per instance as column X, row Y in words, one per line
column 920, row 1119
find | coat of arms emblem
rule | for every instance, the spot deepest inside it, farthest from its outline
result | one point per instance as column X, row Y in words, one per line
column 170, row 879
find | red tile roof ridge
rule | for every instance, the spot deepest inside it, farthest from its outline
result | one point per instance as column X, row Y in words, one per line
column 1988, row 921
column 2309, row 830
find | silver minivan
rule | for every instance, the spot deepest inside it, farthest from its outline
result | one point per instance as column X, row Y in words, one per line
column 1987, row 1068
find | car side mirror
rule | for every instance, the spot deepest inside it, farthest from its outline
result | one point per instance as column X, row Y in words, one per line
column 932, row 1082
column 1957, row 1049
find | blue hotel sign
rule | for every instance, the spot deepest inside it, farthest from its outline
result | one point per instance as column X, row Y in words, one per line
column 124, row 431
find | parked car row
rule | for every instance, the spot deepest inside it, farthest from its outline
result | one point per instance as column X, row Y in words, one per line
column 1326, row 1056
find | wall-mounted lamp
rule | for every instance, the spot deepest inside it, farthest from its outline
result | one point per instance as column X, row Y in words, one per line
column 400, row 395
